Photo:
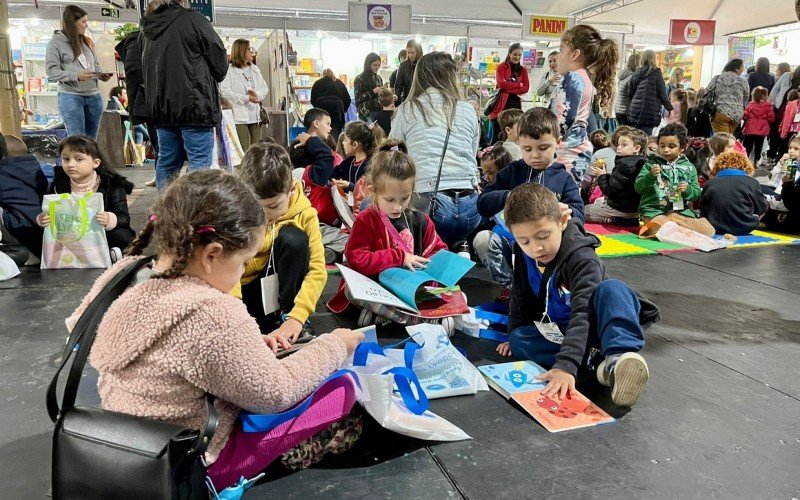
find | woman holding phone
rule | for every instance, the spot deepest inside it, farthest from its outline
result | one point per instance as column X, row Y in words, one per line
column 71, row 62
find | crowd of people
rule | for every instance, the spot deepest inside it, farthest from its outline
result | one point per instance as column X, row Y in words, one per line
column 413, row 174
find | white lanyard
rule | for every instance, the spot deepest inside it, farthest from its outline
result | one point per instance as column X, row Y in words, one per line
column 547, row 300
column 271, row 261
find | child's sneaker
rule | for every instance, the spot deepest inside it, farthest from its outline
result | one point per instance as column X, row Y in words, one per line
column 331, row 256
column 116, row 254
column 462, row 250
column 626, row 375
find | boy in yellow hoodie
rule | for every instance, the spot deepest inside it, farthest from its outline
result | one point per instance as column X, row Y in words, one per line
column 292, row 248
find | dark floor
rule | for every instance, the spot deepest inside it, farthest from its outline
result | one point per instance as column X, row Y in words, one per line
column 720, row 417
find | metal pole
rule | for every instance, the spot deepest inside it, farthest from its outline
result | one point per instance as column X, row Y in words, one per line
column 288, row 79
column 622, row 57
column 9, row 101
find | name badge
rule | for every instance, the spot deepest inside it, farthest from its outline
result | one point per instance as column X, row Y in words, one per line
column 269, row 293
column 550, row 331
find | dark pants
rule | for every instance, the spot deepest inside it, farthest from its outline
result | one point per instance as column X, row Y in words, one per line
column 120, row 237
column 291, row 255
column 29, row 237
column 777, row 146
column 495, row 131
column 754, row 144
column 622, row 119
column 614, row 327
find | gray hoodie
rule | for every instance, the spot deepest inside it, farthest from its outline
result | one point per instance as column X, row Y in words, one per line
column 62, row 67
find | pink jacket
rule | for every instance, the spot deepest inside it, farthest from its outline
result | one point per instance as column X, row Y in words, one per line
column 788, row 125
column 164, row 344
column 757, row 118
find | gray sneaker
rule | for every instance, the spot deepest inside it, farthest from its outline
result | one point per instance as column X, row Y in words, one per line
column 626, row 375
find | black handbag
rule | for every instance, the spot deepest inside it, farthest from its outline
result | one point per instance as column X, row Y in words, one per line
column 491, row 102
column 104, row 454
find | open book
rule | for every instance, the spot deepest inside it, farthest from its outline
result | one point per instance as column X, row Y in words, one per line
column 343, row 208
column 429, row 293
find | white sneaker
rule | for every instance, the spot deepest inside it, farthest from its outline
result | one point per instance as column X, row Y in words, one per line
column 365, row 318
column 116, row 254
column 627, row 378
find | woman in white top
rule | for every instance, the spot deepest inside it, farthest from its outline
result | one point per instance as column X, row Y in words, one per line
column 245, row 88
column 434, row 106
column 550, row 80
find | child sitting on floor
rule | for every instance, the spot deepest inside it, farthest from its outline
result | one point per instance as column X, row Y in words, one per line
column 177, row 335
column 509, row 124
column 620, row 202
column 652, row 145
column 559, row 314
column 538, row 137
column 360, row 141
column 493, row 159
column 389, row 233
column 667, row 183
column 291, row 246
column 83, row 170
column 603, row 157
column 784, row 215
column 732, row 200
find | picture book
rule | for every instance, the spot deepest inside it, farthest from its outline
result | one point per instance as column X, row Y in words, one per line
column 511, row 378
column 343, row 208
column 574, row 412
column 501, row 228
column 428, row 293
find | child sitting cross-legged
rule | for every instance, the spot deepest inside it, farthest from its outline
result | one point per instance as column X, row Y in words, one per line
column 290, row 247
column 667, row 182
column 732, row 199
column 563, row 305
column 389, row 233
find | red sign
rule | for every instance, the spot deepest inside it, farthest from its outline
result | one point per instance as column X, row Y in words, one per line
column 691, row 32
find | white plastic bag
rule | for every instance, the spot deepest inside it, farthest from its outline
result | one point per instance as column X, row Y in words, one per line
column 671, row 232
column 8, row 268
column 405, row 414
column 74, row 239
column 441, row 369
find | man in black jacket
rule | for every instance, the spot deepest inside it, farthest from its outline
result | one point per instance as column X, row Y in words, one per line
column 558, row 315
column 183, row 62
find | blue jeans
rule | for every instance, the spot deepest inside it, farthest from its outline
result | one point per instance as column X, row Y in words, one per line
column 176, row 144
column 81, row 113
column 455, row 217
column 614, row 327
column 495, row 253
column 140, row 134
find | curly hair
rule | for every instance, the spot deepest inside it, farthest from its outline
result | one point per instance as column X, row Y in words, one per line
column 733, row 161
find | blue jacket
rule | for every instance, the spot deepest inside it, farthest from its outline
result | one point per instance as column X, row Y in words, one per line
column 555, row 178
column 22, row 186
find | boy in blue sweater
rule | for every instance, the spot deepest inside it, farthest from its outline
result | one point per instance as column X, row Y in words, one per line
column 538, row 137
column 563, row 306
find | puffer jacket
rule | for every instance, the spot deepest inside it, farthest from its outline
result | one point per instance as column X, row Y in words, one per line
column 732, row 93
column 402, row 85
column 184, row 60
column 648, row 94
column 757, row 118
column 623, row 103
column 425, row 143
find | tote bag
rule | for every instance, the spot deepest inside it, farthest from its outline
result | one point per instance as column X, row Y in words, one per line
column 74, row 239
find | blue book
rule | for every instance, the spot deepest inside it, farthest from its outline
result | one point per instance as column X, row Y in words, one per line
column 514, row 377
column 445, row 268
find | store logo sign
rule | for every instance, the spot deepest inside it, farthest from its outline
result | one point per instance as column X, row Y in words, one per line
column 379, row 17
column 691, row 32
column 549, row 26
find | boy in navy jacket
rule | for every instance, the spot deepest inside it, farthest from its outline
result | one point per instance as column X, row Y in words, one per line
column 563, row 305
column 538, row 138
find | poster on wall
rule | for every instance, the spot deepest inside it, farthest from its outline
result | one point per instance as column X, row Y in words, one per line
column 384, row 58
column 379, row 17
column 205, row 7
column 742, row 47
column 691, row 32
column 529, row 59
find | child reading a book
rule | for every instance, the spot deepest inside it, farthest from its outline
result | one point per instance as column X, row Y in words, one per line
column 667, row 183
column 538, row 138
column 732, row 199
column 389, row 233
column 620, row 202
column 291, row 248
column 509, row 123
column 563, row 305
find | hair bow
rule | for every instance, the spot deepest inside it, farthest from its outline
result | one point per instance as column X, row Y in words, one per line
column 394, row 148
column 485, row 151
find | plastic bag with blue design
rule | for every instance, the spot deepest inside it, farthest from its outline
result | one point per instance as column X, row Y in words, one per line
column 442, row 370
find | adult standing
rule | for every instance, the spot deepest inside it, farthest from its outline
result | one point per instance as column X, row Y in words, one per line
column 761, row 77
column 367, row 85
column 405, row 73
column 648, row 94
column 623, row 102
column 183, row 61
column 442, row 129
column 787, row 80
column 550, row 80
column 245, row 89
column 783, row 83
column 72, row 63
column 330, row 94
column 401, row 56
column 732, row 94
column 512, row 82
column 675, row 80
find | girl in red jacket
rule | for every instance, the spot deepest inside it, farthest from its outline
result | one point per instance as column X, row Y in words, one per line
column 389, row 233
column 758, row 115
column 512, row 82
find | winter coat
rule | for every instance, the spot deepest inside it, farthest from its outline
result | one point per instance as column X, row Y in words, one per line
column 618, row 186
column 555, row 178
column 366, row 98
column 757, row 118
column 648, row 94
column 759, row 79
column 508, row 83
column 578, row 269
column 402, row 84
column 331, row 95
column 658, row 192
column 183, row 61
column 164, row 344
column 425, row 143
column 623, row 102
column 130, row 53
column 234, row 88
column 61, row 66
column 788, row 125
column 115, row 190
column 732, row 94
column 698, row 123
column 371, row 249
column 317, row 181
column 22, row 185
column 733, row 202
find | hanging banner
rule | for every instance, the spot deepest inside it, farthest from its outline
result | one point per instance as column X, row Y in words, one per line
column 744, row 48
column 379, row 18
column 540, row 26
column 691, row 32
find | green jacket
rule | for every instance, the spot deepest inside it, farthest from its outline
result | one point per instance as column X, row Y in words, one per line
column 660, row 194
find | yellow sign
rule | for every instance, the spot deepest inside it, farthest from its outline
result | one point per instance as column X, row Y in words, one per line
column 548, row 26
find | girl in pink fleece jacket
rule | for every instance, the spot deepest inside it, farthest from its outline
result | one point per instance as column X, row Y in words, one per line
column 177, row 334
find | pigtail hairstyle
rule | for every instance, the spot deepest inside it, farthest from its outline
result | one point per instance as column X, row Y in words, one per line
column 367, row 136
column 203, row 207
column 601, row 56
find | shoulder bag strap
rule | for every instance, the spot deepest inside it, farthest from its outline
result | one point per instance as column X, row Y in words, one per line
column 439, row 174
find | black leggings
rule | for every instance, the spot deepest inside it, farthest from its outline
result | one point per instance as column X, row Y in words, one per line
column 754, row 143
column 291, row 263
